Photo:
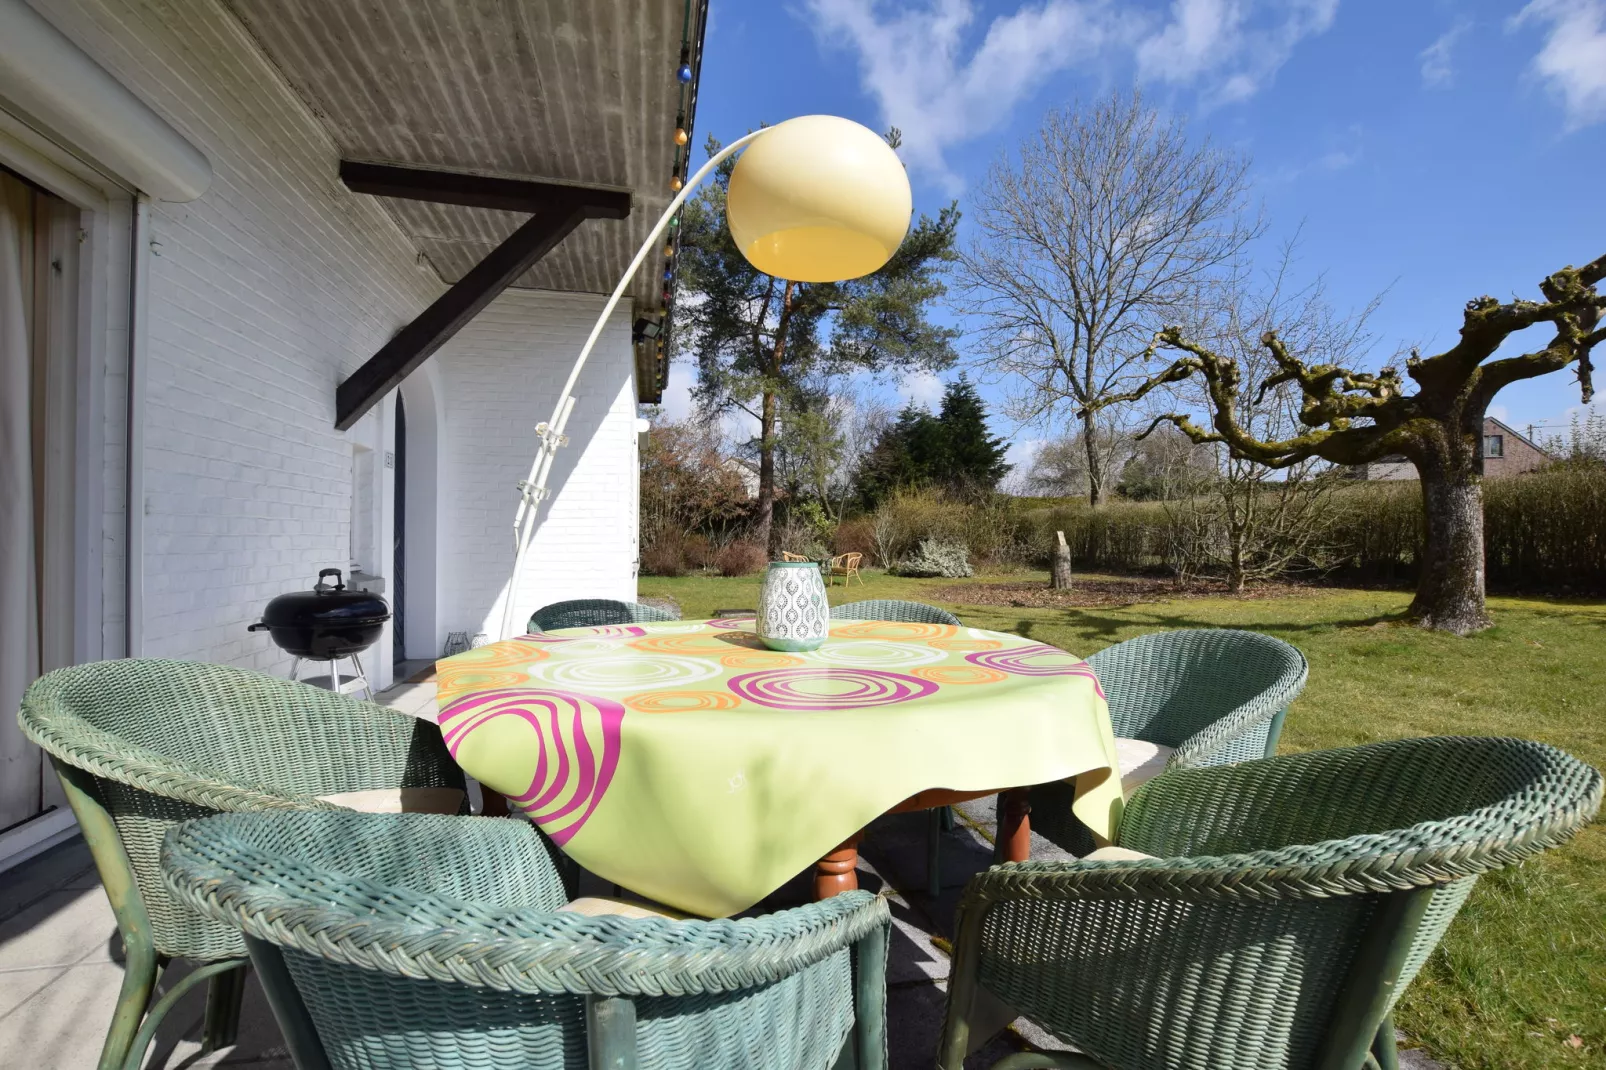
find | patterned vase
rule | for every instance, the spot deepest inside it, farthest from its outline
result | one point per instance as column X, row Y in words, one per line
column 792, row 610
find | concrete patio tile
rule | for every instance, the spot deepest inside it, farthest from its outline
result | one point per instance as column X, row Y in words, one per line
column 60, row 929
column 16, row 987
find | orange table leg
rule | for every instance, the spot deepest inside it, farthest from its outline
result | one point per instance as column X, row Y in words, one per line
column 492, row 803
column 1014, row 826
column 834, row 874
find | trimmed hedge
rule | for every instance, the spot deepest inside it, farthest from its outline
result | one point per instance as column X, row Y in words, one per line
column 1543, row 531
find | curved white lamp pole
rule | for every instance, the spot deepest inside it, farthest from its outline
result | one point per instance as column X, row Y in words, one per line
column 825, row 200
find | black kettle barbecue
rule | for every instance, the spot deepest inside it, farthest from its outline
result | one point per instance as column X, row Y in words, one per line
column 327, row 622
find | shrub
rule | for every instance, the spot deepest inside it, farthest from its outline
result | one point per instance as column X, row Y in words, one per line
column 664, row 555
column 742, row 557
column 856, row 536
column 950, row 560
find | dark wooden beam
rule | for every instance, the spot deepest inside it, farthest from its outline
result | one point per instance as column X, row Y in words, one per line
column 478, row 191
column 414, row 343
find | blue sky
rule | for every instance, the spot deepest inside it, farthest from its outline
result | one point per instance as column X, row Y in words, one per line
column 1435, row 149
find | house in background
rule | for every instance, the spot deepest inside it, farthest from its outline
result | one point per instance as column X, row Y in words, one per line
column 285, row 285
column 1506, row 452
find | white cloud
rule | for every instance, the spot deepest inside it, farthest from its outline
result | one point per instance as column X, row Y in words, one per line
column 922, row 389
column 1437, row 70
column 913, row 62
column 1572, row 61
column 1229, row 49
column 941, row 90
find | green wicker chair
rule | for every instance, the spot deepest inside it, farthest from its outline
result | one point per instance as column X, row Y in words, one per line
column 1289, row 903
column 409, row 940
column 1215, row 695
column 893, row 609
column 142, row 745
column 594, row 613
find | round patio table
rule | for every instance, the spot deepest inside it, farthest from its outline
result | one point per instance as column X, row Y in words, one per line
column 690, row 764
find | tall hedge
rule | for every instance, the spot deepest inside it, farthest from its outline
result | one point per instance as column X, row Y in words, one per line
column 1543, row 531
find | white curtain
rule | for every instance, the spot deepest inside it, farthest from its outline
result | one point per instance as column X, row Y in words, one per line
column 19, row 602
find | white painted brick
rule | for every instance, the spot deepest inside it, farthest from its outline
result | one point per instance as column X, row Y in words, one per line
column 502, row 375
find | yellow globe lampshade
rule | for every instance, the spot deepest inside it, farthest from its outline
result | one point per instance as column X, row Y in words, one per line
column 818, row 199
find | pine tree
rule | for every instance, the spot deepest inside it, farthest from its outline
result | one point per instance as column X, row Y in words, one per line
column 951, row 450
column 758, row 339
column 972, row 459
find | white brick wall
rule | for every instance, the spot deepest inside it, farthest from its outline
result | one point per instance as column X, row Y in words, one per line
column 501, row 377
column 265, row 293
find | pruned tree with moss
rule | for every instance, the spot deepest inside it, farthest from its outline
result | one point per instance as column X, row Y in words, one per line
column 1432, row 414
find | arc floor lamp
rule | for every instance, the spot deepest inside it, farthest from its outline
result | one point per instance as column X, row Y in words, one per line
column 814, row 199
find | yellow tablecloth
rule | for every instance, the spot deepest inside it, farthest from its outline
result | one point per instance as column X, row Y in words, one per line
column 693, row 766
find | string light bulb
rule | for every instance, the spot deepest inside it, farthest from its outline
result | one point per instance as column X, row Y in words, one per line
column 684, row 71
column 669, row 250
column 674, row 183
column 681, row 137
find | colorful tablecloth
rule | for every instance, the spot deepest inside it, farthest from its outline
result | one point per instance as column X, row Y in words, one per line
column 691, row 765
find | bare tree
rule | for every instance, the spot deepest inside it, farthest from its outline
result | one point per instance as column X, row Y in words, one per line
column 1103, row 228
column 1351, row 417
column 1246, row 520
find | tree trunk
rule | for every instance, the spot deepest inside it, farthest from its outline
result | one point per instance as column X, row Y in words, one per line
column 1449, row 590
column 764, row 531
column 1060, row 569
column 1235, row 564
column 1095, row 473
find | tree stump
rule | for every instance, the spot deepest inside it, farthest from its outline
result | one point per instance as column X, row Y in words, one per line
column 1060, row 570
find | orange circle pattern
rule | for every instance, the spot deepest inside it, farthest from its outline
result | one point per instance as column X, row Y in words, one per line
column 695, row 645
column 760, row 659
column 967, row 644
column 453, row 681
column 959, row 674
column 496, row 656
column 682, row 701
column 887, row 629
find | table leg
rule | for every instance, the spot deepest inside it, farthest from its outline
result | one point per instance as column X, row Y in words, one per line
column 492, row 803
column 834, row 874
column 1014, row 826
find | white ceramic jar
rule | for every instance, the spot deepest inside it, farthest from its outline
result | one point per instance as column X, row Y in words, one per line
column 792, row 610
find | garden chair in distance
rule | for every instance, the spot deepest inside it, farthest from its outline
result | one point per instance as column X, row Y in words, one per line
column 411, row 941
column 141, row 745
column 594, row 613
column 1287, row 904
column 846, row 566
column 1181, row 699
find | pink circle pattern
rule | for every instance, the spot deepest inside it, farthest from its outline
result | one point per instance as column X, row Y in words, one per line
column 780, row 688
column 1039, row 659
column 560, row 719
column 734, row 623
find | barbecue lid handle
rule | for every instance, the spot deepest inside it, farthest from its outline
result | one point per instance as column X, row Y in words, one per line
column 338, row 585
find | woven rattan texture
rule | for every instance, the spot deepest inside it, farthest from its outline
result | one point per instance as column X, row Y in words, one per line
column 594, row 613
column 1226, row 948
column 1210, row 693
column 894, row 609
column 371, row 1021
column 169, row 741
column 419, row 940
column 357, row 888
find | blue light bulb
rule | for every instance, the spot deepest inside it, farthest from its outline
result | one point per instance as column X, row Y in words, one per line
column 684, row 74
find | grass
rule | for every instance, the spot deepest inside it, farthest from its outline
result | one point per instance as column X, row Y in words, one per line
column 1523, row 970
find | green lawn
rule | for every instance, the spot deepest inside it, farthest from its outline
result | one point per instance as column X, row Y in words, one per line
column 1524, row 967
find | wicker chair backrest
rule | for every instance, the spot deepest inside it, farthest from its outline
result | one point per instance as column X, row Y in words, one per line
column 895, row 610
column 414, row 940
column 1167, row 686
column 595, row 613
